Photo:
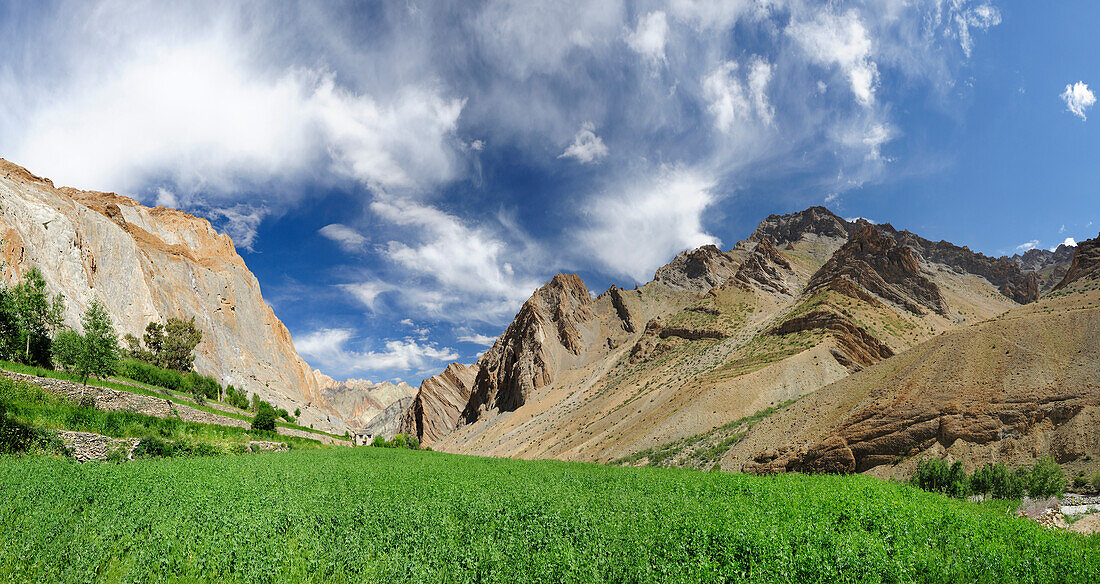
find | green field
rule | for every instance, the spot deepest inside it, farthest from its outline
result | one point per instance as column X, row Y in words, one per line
column 391, row 515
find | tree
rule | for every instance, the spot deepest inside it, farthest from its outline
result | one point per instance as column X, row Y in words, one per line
column 100, row 354
column 265, row 418
column 180, row 339
column 37, row 315
column 297, row 412
column 1046, row 479
column 66, row 349
column 154, row 343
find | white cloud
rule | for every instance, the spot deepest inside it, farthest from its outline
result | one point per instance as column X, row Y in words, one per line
column 1069, row 241
column 483, row 340
column 587, row 147
column 327, row 348
column 345, row 237
column 840, row 40
column 198, row 109
column 729, row 101
column 1079, row 98
column 650, row 36
column 982, row 17
column 367, row 292
column 1027, row 245
column 240, row 221
column 166, row 198
column 467, row 265
column 641, row 227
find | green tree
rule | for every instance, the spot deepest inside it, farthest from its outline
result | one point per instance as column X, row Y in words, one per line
column 297, row 412
column 265, row 418
column 99, row 356
column 1046, row 479
column 180, row 339
column 66, row 348
column 37, row 315
column 154, row 343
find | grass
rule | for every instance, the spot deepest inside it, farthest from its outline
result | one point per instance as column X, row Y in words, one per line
column 701, row 451
column 390, row 515
column 36, row 407
column 131, row 386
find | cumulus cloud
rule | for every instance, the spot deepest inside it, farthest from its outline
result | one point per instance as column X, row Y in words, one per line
column 1069, row 242
column 1027, row 245
column 327, row 348
column 840, row 40
column 345, row 237
column 634, row 231
column 1079, row 98
column 587, row 147
column 649, row 37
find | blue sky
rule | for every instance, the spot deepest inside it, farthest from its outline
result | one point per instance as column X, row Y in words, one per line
column 400, row 176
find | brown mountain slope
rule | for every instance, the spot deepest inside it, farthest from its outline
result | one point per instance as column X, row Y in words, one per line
column 151, row 264
column 1018, row 387
column 717, row 336
column 1085, row 265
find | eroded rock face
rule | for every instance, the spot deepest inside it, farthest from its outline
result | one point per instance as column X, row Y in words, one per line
column 697, row 270
column 438, row 405
column 784, row 229
column 1086, row 263
column 883, row 268
column 151, row 264
column 767, row 269
column 856, row 347
column 548, row 330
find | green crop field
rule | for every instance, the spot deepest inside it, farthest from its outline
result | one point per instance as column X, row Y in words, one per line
column 391, row 515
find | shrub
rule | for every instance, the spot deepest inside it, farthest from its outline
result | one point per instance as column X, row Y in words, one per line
column 297, row 412
column 1046, row 479
column 153, row 447
column 1080, row 481
column 1096, row 480
column 398, row 441
column 379, row 442
column 414, row 443
column 237, row 399
column 265, row 418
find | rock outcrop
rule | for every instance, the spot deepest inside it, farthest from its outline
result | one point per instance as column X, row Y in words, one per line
column 697, row 270
column 766, row 269
column 149, row 264
column 551, row 328
column 790, row 228
column 856, row 347
column 1086, row 263
column 1014, row 389
column 387, row 423
column 438, row 405
column 881, row 267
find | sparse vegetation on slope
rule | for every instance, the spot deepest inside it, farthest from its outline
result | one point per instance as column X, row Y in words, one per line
column 395, row 515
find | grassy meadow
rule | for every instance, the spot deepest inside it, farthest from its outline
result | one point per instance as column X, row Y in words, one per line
column 393, row 515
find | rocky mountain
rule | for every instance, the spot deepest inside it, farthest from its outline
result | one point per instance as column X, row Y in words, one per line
column 1085, row 265
column 805, row 301
column 1048, row 266
column 361, row 401
column 149, row 264
column 1021, row 386
column 439, row 403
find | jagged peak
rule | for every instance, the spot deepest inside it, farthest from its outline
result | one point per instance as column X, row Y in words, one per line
column 1086, row 262
column 697, row 270
column 817, row 220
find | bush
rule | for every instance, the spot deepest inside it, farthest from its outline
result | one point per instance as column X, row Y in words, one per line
column 153, row 447
column 265, row 417
column 1096, row 480
column 414, row 443
column 1046, row 479
column 379, row 442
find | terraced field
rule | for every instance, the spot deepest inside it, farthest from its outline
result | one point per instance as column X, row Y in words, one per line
column 385, row 515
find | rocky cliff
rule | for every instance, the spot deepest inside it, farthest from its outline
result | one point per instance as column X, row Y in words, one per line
column 883, row 268
column 1086, row 263
column 550, row 328
column 697, row 270
column 439, row 403
column 149, row 264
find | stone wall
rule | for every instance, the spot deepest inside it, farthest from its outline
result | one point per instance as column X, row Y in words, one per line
column 87, row 446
